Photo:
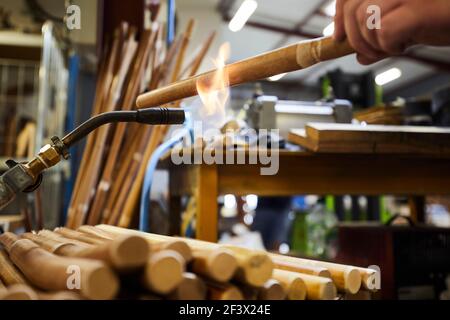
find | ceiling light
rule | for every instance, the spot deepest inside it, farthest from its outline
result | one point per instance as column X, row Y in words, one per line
column 388, row 76
column 242, row 15
column 277, row 77
column 330, row 8
column 329, row 30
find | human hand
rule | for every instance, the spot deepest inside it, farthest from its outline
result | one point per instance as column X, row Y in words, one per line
column 403, row 23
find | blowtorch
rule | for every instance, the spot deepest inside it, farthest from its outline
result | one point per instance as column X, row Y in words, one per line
column 26, row 177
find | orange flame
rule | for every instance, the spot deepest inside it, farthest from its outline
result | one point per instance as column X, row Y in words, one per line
column 214, row 92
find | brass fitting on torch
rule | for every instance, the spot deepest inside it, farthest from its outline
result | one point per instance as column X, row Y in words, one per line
column 27, row 177
column 48, row 156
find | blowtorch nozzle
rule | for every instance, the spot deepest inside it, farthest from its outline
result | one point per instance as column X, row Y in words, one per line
column 160, row 116
column 147, row 116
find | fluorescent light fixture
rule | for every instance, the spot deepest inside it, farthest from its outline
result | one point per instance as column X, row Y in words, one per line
column 330, row 9
column 242, row 15
column 299, row 109
column 388, row 76
column 277, row 77
column 329, row 30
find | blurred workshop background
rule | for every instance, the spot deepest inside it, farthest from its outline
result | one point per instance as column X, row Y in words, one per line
column 357, row 204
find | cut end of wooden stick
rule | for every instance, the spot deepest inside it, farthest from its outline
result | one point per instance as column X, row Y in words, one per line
column 369, row 278
column 272, row 290
column 352, row 280
column 327, row 291
column 190, row 288
column 225, row 292
column 297, row 290
column 325, row 273
column 129, row 251
column 181, row 247
column 164, row 271
column 100, row 283
column 257, row 269
column 293, row 284
column 222, row 265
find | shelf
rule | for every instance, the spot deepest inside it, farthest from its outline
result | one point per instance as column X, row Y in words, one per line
column 20, row 39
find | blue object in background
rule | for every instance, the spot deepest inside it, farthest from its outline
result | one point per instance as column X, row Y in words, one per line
column 74, row 71
column 171, row 7
column 299, row 203
column 149, row 172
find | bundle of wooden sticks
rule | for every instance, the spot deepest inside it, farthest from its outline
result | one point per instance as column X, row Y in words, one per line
column 119, row 153
column 107, row 262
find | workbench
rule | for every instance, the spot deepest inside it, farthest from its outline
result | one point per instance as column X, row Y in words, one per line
column 303, row 173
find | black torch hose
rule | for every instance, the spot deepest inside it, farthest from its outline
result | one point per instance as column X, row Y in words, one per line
column 154, row 116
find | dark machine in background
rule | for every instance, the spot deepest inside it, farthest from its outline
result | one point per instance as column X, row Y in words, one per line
column 360, row 89
column 441, row 107
column 414, row 260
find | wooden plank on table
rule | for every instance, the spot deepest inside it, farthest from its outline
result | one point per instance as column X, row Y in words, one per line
column 380, row 133
column 377, row 139
column 299, row 137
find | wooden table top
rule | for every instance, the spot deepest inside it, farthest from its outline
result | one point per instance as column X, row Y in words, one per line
column 304, row 172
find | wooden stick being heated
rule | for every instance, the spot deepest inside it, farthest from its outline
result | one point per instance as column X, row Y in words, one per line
column 295, row 57
column 50, row 272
